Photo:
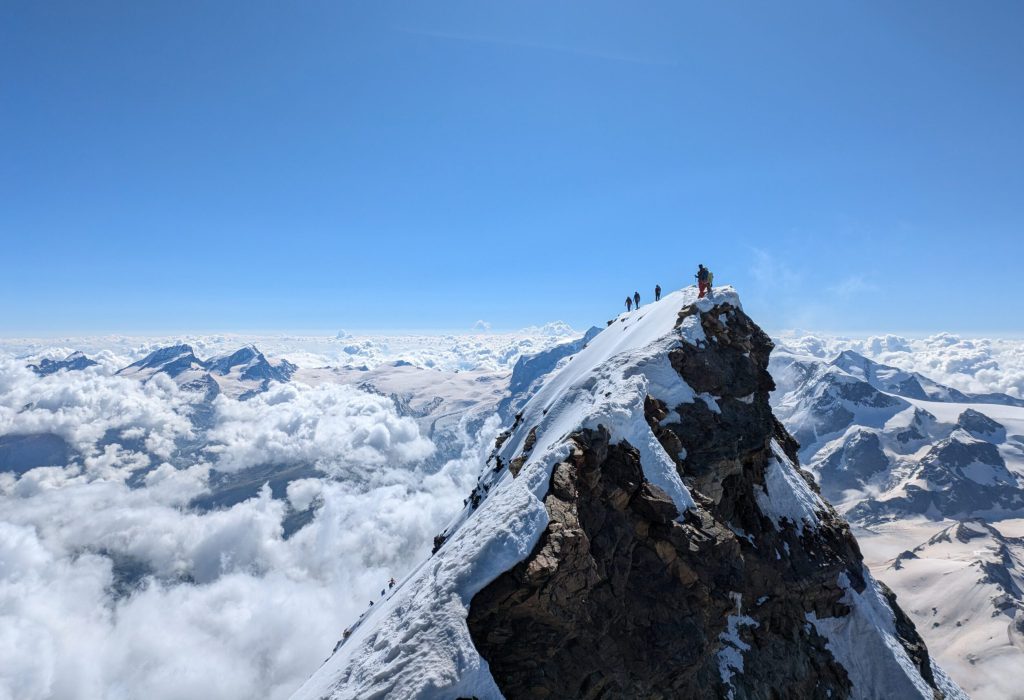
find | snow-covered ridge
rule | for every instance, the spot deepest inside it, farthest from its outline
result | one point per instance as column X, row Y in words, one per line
column 418, row 641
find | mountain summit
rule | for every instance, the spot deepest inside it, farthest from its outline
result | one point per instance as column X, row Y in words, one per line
column 642, row 530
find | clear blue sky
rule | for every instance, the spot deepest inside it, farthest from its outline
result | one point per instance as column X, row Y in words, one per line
column 169, row 166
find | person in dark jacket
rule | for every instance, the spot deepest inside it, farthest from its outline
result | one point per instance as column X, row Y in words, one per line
column 629, row 304
column 657, row 292
column 703, row 281
column 636, row 299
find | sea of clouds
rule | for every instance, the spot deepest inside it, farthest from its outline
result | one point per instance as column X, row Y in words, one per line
column 113, row 584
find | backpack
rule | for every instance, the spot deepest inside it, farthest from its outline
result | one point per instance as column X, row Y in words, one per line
column 711, row 277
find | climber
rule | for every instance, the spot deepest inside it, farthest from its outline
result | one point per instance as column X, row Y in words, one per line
column 657, row 292
column 636, row 299
column 391, row 583
column 703, row 280
column 629, row 304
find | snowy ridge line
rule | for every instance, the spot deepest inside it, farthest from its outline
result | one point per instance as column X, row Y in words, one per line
column 418, row 641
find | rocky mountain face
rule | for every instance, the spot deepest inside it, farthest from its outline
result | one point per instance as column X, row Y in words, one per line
column 935, row 488
column 912, row 385
column 643, row 530
column 73, row 362
column 879, row 453
column 242, row 374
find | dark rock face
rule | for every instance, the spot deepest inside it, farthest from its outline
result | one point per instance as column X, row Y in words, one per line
column 911, row 384
column 851, row 465
column 959, row 476
column 830, row 401
column 917, row 430
column 172, row 360
column 981, row 426
column 74, row 362
column 255, row 366
column 622, row 599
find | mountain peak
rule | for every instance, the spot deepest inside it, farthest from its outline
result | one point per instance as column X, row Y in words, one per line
column 75, row 361
column 172, row 360
column 642, row 529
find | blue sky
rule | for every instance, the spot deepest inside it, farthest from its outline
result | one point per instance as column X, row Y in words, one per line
column 188, row 166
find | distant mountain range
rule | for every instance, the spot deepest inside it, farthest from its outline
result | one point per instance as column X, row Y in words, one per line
column 896, row 451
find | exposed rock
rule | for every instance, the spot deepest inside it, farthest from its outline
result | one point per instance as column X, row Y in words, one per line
column 851, row 463
column 74, row 362
column 981, row 426
column 623, row 598
column 959, row 476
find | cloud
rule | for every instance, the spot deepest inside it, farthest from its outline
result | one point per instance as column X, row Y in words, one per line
column 113, row 585
column 81, row 407
column 853, row 286
column 973, row 365
column 772, row 271
column 336, row 428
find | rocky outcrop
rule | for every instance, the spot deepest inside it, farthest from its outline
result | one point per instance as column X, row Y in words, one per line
column 851, row 463
column 74, row 362
column 981, row 426
column 623, row 598
column 959, row 476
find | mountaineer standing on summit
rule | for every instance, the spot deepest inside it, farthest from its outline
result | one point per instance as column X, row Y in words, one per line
column 629, row 304
column 704, row 278
column 636, row 299
column 657, row 292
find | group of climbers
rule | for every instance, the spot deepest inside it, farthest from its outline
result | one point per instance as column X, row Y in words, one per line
column 391, row 584
column 704, row 279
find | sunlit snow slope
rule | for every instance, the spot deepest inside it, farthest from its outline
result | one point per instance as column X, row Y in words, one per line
column 416, row 643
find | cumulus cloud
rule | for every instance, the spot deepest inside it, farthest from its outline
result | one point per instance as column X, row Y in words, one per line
column 81, row 407
column 334, row 427
column 114, row 584
column 974, row 365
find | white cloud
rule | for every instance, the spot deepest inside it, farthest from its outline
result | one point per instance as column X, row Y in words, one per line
column 974, row 365
column 224, row 605
column 334, row 427
column 853, row 286
column 82, row 406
